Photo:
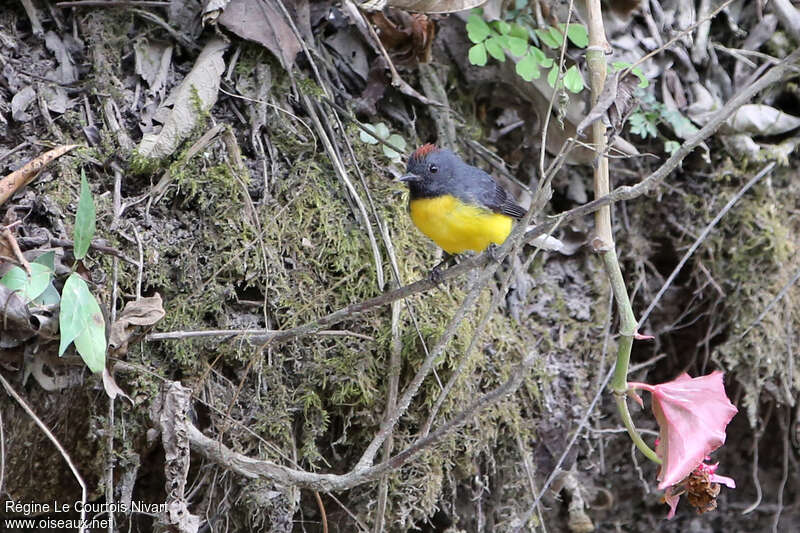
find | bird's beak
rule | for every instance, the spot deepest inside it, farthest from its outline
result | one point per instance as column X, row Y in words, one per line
column 409, row 177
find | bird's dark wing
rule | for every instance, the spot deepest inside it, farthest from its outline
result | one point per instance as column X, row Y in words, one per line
column 493, row 196
column 504, row 203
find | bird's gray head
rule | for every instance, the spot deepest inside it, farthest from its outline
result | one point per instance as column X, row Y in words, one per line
column 431, row 171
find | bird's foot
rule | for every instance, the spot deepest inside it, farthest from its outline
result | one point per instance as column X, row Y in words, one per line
column 492, row 252
column 437, row 272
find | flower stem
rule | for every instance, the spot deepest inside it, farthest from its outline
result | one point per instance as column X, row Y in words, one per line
column 604, row 239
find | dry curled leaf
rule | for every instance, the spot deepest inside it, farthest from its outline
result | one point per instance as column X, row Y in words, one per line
column 263, row 22
column 405, row 35
column 200, row 86
column 142, row 312
column 21, row 177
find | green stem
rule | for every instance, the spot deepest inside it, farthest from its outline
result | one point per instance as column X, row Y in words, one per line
column 627, row 421
column 619, row 383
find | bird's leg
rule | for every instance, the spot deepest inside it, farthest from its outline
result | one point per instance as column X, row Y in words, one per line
column 491, row 251
column 436, row 273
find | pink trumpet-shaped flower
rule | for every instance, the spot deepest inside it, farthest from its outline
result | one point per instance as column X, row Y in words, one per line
column 692, row 415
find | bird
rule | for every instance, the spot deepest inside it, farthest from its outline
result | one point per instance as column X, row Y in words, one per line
column 458, row 206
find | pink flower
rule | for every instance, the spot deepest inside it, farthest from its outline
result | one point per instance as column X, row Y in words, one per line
column 692, row 415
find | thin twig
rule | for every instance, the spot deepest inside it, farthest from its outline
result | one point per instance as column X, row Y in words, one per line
column 772, row 303
column 255, row 468
column 322, row 512
column 701, row 238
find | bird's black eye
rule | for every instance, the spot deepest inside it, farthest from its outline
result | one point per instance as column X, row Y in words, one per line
column 433, row 169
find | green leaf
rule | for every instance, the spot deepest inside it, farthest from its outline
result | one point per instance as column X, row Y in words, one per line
column 547, row 39
column 50, row 296
column 519, row 31
column 81, row 321
column 366, row 137
column 84, row 220
column 47, row 259
column 477, row 29
column 621, row 65
column 577, row 34
column 552, row 76
column 557, row 36
column 642, row 125
column 573, row 80
column 528, row 68
column 517, row 46
column 29, row 287
column 381, row 130
column 502, row 27
column 543, row 60
column 398, row 141
column 671, row 147
column 477, row 55
column 495, row 48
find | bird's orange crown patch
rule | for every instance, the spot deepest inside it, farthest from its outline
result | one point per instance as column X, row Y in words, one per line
column 423, row 151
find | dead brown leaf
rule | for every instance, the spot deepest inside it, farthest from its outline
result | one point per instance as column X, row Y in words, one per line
column 142, row 312
column 21, row 177
column 261, row 21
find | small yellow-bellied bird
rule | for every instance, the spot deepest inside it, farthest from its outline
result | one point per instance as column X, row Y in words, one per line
column 460, row 207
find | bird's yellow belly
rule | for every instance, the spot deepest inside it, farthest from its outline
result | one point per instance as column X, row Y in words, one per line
column 457, row 227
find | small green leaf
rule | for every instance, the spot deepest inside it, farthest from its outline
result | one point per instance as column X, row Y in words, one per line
column 643, row 125
column 671, row 147
column 541, row 59
column 84, row 220
column 477, row 29
column 502, row 27
column 557, row 36
column 398, row 141
column 643, row 81
column 80, row 320
column 517, row 46
column 577, row 34
column 381, row 130
column 552, row 76
column 31, row 287
column 573, row 80
column 528, row 68
column 47, row 259
column 366, row 137
column 477, row 55
column 547, row 39
column 495, row 48
column 50, row 296
column 519, row 31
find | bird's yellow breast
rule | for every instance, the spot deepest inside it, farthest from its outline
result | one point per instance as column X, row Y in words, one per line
column 456, row 226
